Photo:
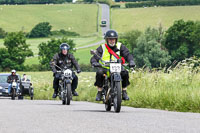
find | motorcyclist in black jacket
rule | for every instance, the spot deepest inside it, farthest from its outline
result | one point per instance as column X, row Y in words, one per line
column 62, row 59
column 111, row 38
column 10, row 79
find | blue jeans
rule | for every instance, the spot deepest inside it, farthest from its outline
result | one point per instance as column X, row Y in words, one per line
column 9, row 88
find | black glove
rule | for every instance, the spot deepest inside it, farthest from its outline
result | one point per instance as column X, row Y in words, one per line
column 96, row 64
column 132, row 64
column 78, row 71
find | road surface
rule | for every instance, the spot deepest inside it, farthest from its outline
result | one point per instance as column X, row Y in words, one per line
column 43, row 116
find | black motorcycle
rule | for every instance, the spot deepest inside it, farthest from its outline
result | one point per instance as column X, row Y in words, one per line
column 13, row 89
column 65, row 91
column 112, row 95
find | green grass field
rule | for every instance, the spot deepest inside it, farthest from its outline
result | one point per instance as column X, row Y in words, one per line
column 81, row 18
column 177, row 90
column 124, row 20
column 84, row 55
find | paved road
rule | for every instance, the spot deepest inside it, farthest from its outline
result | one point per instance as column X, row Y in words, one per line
column 105, row 15
column 40, row 116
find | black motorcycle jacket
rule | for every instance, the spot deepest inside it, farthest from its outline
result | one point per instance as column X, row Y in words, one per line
column 124, row 52
column 63, row 61
column 12, row 78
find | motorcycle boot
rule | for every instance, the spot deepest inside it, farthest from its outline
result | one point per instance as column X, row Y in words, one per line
column 74, row 93
column 99, row 95
column 124, row 95
column 55, row 94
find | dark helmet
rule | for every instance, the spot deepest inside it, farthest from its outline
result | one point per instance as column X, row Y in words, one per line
column 111, row 34
column 64, row 46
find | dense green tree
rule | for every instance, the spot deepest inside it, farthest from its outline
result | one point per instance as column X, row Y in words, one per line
column 47, row 50
column 149, row 51
column 183, row 40
column 42, row 29
column 129, row 39
column 16, row 51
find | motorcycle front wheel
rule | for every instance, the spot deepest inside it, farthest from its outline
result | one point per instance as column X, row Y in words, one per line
column 13, row 94
column 69, row 93
column 117, row 97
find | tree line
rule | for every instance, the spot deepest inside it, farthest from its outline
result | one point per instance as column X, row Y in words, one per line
column 150, row 3
column 12, row 2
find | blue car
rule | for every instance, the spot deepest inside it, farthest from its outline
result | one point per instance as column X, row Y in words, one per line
column 4, row 84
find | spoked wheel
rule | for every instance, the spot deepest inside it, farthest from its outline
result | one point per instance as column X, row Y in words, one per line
column 108, row 105
column 69, row 93
column 117, row 98
column 31, row 93
column 63, row 95
column 64, row 99
column 13, row 94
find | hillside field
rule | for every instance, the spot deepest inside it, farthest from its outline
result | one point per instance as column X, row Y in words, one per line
column 80, row 18
column 124, row 20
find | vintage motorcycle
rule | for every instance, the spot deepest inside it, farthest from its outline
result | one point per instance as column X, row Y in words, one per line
column 13, row 89
column 65, row 91
column 112, row 95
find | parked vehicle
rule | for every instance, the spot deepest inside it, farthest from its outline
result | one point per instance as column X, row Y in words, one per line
column 27, row 86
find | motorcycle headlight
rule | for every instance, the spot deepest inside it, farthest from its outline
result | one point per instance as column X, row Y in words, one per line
column 1, row 87
column 68, row 73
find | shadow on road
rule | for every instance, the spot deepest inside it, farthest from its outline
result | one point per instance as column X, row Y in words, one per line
column 5, row 98
column 101, row 111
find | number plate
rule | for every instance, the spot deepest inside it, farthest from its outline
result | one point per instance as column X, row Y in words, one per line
column 115, row 67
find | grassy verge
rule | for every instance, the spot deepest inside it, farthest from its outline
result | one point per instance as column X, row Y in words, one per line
column 177, row 90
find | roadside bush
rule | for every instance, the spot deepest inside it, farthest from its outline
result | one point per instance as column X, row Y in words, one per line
column 42, row 29
column 87, row 68
column 108, row 2
column 2, row 33
column 63, row 32
column 149, row 51
column 115, row 6
column 90, row 1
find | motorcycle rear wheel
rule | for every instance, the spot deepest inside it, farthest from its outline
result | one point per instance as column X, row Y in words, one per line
column 108, row 105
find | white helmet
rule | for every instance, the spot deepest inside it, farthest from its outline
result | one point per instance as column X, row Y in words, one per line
column 13, row 71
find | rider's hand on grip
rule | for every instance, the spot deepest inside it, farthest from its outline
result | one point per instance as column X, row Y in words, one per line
column 96, row 64
column 78, row 71
column 131, row 64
